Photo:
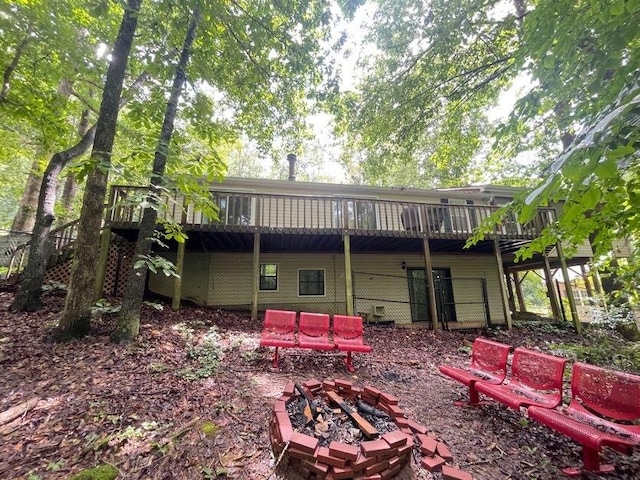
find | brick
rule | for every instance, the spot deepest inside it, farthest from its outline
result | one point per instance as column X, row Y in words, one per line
column 375, row 476
column 313, row 384
column 363, row 462
column 376, row 467
column 368, row 398
column 301, row 454
column 395, row 438
column 356, row 391
column 410, row 438
column 444, row 451
column 392, row 452
column 319, row 468
column 289, row 389
column 323, row 455
column 391, row 472
column 428, row 445
column 374, row 392
column 342, row 473
column 394, row 462
column 401, row 422
column 396, row 411
column 374, row 447
column 406, row 450
column 450, row 473
column 342, row 450
column 433, row 464
column 304, row 443
column 388, row 399
column 329, row 385
column 344, row 385
column 417, row 427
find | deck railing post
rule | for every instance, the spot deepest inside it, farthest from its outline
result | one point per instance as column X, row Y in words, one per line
column 177, row 285
column 256, row 275
column 502, row 285
column 433, row 309
column 347, row 274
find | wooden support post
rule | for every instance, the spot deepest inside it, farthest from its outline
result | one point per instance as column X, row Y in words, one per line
column 567, row 287
column 587, row 283
column 551, row 290
column 177, row 283
column 503, row 287
column 428, row 265
column 348, row 278
column 518, row 282
column 256, row 275
column 512, row 300
column 103, row 260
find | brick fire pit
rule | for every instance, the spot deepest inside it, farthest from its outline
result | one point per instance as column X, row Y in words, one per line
column 378, row 458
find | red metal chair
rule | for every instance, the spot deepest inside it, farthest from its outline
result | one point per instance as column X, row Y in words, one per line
column 488, row 364
column 313, row 331
column 278, row 330
column 603, row 405
column 536, row 379
column 347, row 336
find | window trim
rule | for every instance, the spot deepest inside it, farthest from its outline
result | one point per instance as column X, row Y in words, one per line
column 260, row 276
column 324, row 283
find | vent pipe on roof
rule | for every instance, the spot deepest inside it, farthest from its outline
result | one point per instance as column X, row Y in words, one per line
column 291, row 158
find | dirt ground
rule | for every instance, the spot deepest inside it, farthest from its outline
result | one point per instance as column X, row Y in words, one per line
column 158, row 408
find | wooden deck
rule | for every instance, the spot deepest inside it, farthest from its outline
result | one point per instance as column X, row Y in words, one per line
column 314, row 215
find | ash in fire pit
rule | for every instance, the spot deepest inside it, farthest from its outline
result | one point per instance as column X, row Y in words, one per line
column 332, row 418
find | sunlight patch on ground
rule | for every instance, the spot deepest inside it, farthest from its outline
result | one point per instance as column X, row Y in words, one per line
column 268, row 386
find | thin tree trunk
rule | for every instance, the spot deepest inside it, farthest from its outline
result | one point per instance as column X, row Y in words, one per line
column 67, row 197
column 76, row 316
column 8, row 71
column 128, row 325
column 28, row 296
column 25, row 218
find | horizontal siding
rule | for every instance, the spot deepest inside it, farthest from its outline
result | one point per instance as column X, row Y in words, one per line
column 225, row 280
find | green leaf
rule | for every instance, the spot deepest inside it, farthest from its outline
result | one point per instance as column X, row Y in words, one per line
column 606, row 169
column 617, row 8
column 591, row 198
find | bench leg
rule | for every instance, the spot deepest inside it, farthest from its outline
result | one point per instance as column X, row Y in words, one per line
column 274, row 360
column 474, row 399
column 348, row 363
column 591, row 463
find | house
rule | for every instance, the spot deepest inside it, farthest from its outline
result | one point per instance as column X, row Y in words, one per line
column 342, row 249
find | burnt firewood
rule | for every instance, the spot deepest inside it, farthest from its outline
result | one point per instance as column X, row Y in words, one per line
column 370, row 410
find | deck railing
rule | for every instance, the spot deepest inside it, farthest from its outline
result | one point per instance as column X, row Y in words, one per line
column 314, row 214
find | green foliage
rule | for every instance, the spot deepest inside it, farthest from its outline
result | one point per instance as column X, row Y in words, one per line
column 156, row 264
column 209, row 429
column 207, row 352
column 101, row 472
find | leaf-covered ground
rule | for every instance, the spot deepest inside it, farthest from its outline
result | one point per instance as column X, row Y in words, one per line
column 189, row 401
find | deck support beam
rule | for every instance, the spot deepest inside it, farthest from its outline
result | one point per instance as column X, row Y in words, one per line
column 518, row 285
column 428, row 265
column 103, row 259
column 512, row 301
column 348, row 277
column 551, row 289
column 502, row 284
column 177, row 283
column 567, row 288
column 256, row 275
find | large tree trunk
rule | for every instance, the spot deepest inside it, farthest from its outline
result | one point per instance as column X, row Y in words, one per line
column 76, row 316
column 128, row 325
column 25, row 218
column 28, row 296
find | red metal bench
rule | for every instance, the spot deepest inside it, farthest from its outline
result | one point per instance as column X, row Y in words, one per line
column 278, row 330
column 488, row 364
column 347, row 336
column 536, row 379
column 313, row 331
column 604, row 403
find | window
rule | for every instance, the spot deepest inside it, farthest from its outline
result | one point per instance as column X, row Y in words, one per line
column 311, row 282
column 234, row 209
column 268, row 276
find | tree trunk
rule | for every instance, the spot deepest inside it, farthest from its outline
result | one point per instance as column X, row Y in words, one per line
column 76, row 316
column 25, row 218
column 68, row 195
column 28, row 296
column 128, row 325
